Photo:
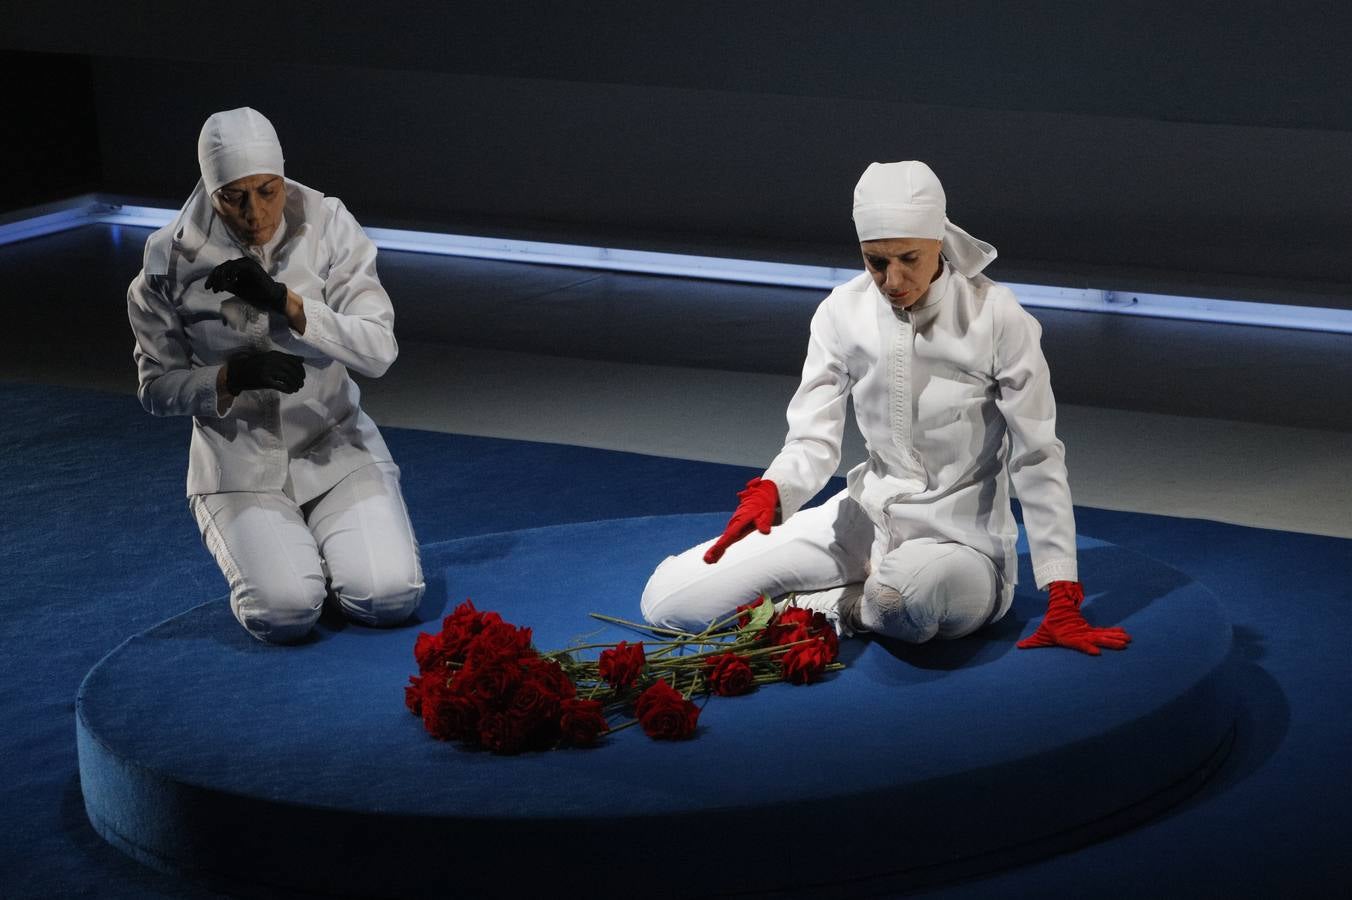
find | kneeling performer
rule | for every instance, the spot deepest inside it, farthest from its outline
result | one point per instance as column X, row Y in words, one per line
column 249, row 310
column 953, row 397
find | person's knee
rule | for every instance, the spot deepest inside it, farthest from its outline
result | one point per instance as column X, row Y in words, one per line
column 282, row 612
column 384, row 597
column 669, row 597
column 943, row 591
column 897, row 610
column 656, row 604
column 687, row 594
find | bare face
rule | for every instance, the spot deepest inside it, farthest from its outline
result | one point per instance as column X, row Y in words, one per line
column 252, row 207
column 903, row 268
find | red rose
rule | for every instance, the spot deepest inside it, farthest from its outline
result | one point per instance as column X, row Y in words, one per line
column 461, row 627
column 729, row 675
column 621, row 665
column 430, row 652
column 827, row 632
column 805, row 663
column 488, row 682
column 535, row 703
column 501, row 639
column 582, row 721
column 454, row 645
column 794, row 625
column 501, row 733
column 413, row 695
column 447, row 715
column 790, row 635
column 664, row 714
column 552, row 674
column 468, row 619
column 788, row 626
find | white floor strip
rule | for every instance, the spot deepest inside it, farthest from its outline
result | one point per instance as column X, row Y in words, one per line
column 1247, row 474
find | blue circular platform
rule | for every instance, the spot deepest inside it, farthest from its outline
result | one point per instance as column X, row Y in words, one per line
column 205, row 752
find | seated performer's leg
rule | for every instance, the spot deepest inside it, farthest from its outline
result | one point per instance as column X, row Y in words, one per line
column 818, row 548
column 268, row 557
column 361, row 526
column 926, row 588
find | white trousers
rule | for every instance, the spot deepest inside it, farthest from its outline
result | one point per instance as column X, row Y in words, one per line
column 922, row 589
column 281, row 560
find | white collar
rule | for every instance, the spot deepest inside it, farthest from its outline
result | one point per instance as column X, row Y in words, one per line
column 935, row 295
column 938, row 288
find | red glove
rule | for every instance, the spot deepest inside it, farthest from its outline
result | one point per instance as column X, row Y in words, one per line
column 1063, row 626
column 757, row 509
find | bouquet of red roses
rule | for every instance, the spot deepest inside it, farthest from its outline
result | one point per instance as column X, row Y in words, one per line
column 480, row 681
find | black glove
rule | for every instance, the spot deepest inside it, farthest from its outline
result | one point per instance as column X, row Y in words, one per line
column 265, row 369
column 245, row 278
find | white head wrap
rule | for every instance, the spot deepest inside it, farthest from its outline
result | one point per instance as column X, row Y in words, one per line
column 905, row 199
column 236, row 143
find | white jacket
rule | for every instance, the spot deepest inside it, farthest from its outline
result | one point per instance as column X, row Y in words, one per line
column 304, row 442
column 952, row 397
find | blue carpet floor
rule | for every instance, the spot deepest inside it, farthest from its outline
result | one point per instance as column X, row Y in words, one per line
column 99, row 544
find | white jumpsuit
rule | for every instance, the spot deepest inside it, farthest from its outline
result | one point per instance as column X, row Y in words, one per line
column 293, row 493
column 953, row 398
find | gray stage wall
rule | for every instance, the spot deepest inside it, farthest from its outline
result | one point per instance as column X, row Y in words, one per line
column 1128, row 141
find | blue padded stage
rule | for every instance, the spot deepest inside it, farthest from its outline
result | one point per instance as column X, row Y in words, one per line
column 99, row 547
column 205, row 752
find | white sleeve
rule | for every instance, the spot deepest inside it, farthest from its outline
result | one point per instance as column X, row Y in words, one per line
column 353, row 323
column 167, row 382
column 816, row 417
column 1037, row 459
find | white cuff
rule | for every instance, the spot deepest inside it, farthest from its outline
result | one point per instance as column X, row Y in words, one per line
column 1064, row 569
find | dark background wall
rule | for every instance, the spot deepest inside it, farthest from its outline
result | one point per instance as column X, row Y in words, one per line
column 50, row 144
column 1202, row 147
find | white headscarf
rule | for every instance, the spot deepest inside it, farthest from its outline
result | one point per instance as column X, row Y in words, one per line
column 236, row 143
column 905, row 199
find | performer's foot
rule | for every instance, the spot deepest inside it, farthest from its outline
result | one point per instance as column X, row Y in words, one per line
column 838, row 604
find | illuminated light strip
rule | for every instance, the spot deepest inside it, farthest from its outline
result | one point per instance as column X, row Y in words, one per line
column 710, row 268
column 1193, row 309
column 140, row 216
column 37, row 226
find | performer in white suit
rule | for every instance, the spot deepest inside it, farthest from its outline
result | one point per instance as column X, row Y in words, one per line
column 954, row 399
column 249, row 310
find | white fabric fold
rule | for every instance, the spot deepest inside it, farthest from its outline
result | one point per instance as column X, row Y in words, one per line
column 237, row 143
column 906, row 200
column 965, row 253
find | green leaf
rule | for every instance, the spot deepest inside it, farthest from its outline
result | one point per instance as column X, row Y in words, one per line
column 761, row 614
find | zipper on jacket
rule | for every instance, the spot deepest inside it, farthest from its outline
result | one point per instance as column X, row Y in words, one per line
column 900, row 387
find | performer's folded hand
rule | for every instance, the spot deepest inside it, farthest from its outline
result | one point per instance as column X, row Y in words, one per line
column 265, row 369
column 757, row 508
column 245, row 278
column 1063, row 626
